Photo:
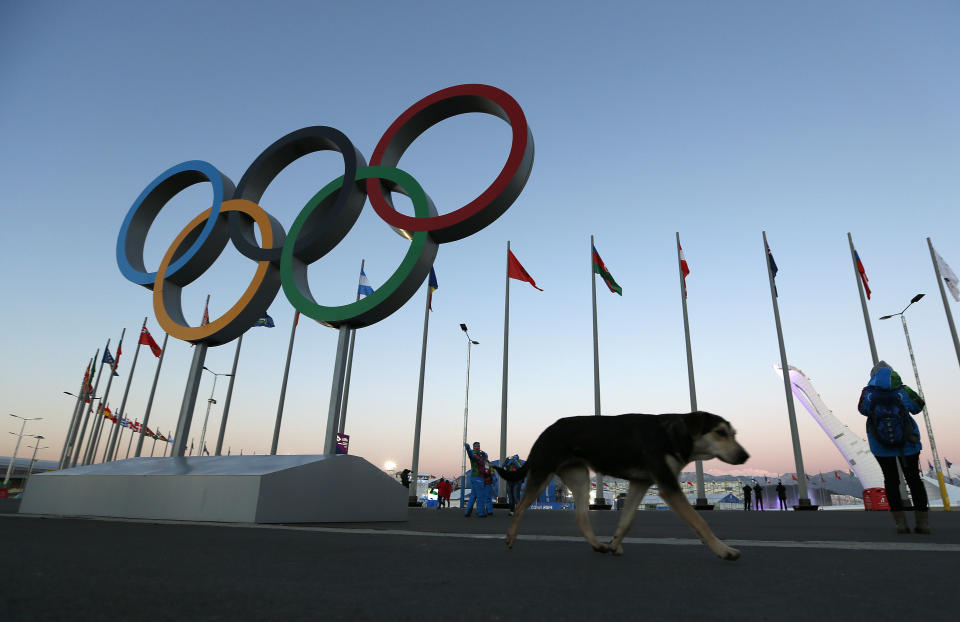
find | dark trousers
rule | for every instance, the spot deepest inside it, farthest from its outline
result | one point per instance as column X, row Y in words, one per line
column 513, row 493
column 783, row 503
column 891, row 481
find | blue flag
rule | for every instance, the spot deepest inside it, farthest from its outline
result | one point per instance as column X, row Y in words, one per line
column 108, row 359
column 266, row 320
column 364, row 288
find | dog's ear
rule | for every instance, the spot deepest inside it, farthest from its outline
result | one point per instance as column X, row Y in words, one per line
column 679, row 435
column 700, row 422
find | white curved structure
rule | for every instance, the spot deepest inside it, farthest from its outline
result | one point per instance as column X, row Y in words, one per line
column 854, row 449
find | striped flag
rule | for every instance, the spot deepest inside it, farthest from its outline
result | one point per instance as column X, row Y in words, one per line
column 432, row 286
column 364, row 288
column 863, row 274
column 601, row 268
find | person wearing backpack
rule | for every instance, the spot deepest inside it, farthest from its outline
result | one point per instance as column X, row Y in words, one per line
column 893, row 434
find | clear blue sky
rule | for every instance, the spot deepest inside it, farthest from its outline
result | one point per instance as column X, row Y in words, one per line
column 717, row 120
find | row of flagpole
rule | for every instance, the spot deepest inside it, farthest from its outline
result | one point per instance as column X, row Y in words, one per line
column 72, row 451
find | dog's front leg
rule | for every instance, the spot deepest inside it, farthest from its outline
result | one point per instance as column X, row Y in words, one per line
column 679, row 504
column 627, row 512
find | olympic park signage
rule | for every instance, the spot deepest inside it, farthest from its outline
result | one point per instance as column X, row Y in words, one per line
column 282, row 257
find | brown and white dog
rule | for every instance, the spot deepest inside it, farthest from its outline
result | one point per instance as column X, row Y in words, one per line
column 643, row 449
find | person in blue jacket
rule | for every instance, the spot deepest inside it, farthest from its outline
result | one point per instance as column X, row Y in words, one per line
column 513, row 474
column 886, row 393
column 478, row 470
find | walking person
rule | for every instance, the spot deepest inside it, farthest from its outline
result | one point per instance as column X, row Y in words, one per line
column 746, row 496
column 478, row 468
column 512, row 476
column 757, row 496
column 894, row 436
column 782, row 495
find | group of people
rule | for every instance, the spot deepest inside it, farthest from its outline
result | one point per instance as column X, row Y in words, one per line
column 757, row 493
column 484, row 481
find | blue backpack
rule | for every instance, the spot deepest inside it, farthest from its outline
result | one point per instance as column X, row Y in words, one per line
column 889, row 420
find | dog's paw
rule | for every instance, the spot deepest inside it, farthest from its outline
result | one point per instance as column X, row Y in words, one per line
column 729, row 554
column 602, row 548
column 509, row 541
column 616, row 550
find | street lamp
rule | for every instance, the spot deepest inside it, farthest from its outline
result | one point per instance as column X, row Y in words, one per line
column 6, row 479
column 926, row 415
column 210, row 402
column 466, row 408
column 34, row 458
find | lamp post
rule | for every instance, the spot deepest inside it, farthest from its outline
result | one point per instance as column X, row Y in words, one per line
column 926, row 415
column 210, row 402
column 33, row 459
column 466, row 410
column 6, row 479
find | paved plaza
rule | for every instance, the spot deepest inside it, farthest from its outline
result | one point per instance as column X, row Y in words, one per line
column 795, row 565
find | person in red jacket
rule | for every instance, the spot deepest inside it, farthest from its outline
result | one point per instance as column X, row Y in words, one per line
column 443, row 493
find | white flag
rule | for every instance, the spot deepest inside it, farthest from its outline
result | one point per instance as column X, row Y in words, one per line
column 948, row 277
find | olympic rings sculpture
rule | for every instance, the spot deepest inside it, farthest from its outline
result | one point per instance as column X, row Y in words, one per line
column 282, row 258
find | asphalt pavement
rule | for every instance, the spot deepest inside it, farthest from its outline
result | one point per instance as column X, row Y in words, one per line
column 828, row 565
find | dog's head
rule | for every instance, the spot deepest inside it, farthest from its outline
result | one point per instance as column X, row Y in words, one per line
column 714, row 437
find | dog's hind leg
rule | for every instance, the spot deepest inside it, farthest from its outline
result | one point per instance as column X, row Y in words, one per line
column 534, row 487
column 679, row 504
column 627, row 513
column 577, row 479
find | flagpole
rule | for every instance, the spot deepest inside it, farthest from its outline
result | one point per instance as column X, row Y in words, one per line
column 702, row 503
column 943, row 296
column 803, row 502
column 341, row 426
column 111, row 446
column 283, row 385
column 190, row 392
column 130, row 442
column 926, row 419
column 153, row 390
column 415, row 463
column 133, row 366
column 336, row 391
column 76, row 449
column 81, row 431
column 502, row 485
column 77, row 411
column 226, row 403
column 598, row 499
column 863, row 300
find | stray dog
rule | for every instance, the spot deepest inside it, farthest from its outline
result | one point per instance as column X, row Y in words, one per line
column 643, row 449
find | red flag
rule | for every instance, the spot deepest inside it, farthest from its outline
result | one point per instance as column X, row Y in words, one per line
column 863, row 274
column 206, row 314
column 296, row 318
column 116, row 361
column 691, row 483
column 147, row 340
column 794, row 478
column 837, row 474
column 516, row 271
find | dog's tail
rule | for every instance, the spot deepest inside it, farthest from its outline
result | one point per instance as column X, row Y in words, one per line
column 513, row 476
